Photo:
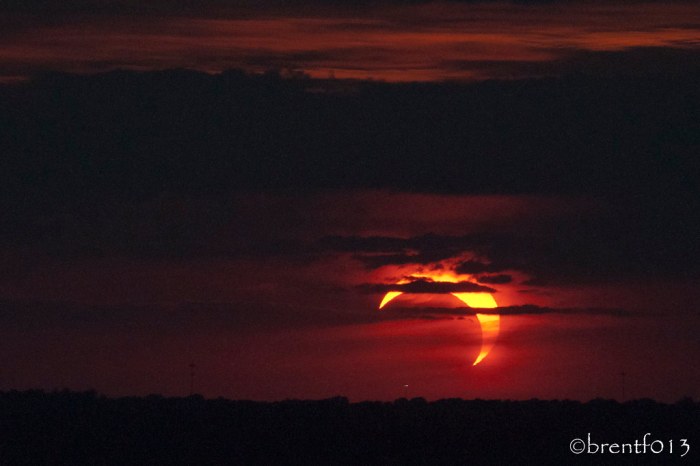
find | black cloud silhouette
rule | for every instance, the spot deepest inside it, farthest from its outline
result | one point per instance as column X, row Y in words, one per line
column 527, row 309
column 495, row 279
column 427, row 286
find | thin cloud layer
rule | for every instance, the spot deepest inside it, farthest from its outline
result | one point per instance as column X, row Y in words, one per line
column 401, row 312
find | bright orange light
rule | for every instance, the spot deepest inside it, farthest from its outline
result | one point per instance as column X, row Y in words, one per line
column 490, row 326
column 490, row 323
column 388, row 297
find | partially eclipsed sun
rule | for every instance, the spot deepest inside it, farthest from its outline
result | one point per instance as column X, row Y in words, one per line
column 490, row 323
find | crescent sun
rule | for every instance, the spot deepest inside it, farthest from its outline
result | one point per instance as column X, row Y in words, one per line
column 490, row 323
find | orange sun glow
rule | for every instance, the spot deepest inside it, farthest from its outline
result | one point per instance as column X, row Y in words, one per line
column 490, row 323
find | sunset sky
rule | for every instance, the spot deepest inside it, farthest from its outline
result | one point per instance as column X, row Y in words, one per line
column 542, row 152
column 393, row 41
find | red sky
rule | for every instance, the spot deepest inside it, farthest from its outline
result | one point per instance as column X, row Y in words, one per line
column 273, row 292
column 291, row 323
column 400, row 43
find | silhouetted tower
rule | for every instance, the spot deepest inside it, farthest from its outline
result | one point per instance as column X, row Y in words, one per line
column 192, row 366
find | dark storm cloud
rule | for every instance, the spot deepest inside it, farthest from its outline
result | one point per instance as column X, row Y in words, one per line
column 426, row 286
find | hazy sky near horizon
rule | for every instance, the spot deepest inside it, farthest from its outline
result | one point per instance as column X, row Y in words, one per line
column 287, row 314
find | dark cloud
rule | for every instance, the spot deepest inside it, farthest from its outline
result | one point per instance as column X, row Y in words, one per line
column 78, row 177
column 373, row 244
column 121, row 6
column 534, row 282
column 375, row 261
column 502, row 137
column 426, row 286
column 378, row 251
column 675, row 59
column 191, row 7
column 174, row 318
column 136, row 35
column 233, row 318
column 532, row 309
column 528, row 309
column 475, row 267
column 166, row 226
column 618, row 241
column 495, row 279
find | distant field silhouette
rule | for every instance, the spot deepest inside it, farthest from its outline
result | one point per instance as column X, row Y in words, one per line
column 86, row 428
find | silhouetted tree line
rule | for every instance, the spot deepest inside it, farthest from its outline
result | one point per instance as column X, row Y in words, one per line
column 86, row 428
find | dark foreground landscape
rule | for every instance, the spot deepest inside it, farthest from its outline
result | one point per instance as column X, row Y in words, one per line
column 87, row 428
